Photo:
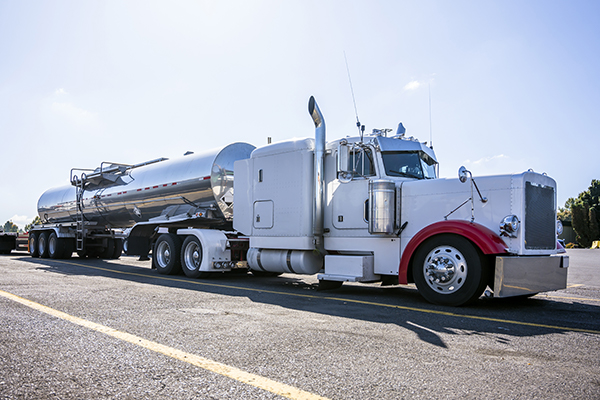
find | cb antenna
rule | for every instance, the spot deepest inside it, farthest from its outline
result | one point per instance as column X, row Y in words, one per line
column 361, row 128
column 430, row 129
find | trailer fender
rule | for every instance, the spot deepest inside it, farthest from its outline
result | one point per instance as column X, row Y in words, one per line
column 61, row 231
column 484, row 238
column 214, row 248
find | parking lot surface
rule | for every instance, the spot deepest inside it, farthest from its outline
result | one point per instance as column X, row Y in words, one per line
column 84, row 328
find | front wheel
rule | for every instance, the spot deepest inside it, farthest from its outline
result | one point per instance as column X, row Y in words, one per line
column 450, row 270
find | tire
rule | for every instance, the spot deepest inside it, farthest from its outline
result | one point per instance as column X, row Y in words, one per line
column 43, row 244
column 109, row 250
column 33, row 244
column 191, row 258
column 69, row 247
column 56, row 246
column 450, row 270
column 118, row 250
column 166, row 254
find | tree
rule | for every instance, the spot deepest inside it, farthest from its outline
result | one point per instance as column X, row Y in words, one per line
column 10, row 227
column 585, row 213
column 35, row 221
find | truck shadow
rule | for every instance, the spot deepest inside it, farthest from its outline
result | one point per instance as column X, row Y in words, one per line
column 498, row 319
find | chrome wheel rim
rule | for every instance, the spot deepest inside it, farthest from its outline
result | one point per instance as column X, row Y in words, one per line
column 32, row 244
column 192, row 256
column 163, row 254
column 52, row 245
column 41, row 244
column 445, row 269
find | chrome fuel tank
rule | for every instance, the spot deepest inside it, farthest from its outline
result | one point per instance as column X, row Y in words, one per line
column 170, row 187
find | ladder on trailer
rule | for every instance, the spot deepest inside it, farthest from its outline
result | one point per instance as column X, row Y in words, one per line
column 80, row 228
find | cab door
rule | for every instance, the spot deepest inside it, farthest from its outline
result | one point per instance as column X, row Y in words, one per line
column 350, row 190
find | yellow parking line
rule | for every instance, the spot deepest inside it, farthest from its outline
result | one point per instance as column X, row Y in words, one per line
column 258, row 381
column 416, row 309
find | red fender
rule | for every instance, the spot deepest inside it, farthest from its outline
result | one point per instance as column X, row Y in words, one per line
column 484, row 238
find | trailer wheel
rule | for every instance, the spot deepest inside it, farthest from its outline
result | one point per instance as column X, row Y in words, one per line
column 56, row 246
column 166, row 254
column 118, row 249
column 449, row 270
column 69, row 247
column 191, row 258
column 43, row 244
column 109, row 250
column 33, row 245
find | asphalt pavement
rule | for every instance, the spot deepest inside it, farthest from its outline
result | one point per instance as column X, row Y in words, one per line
column 585, row 267
column 82, row 328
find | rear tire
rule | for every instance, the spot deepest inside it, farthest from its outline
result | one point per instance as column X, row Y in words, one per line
column 56, row 246
column 191, row 258
column 166, row 254
column 109, row 250
column 450, row 270
column 69, row 247
column 33, row 244
column 43, row 244
column 118, row 250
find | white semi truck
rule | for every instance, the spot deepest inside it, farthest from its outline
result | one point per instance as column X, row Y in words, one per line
column 356, row 209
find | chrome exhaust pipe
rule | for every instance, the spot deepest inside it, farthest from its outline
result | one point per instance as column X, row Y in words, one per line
column 318, row 208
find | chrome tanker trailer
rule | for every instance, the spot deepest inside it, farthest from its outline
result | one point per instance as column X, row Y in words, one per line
column 369, row 208
column 90, row 214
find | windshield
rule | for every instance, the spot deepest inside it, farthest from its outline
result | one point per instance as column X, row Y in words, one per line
column 416, row 165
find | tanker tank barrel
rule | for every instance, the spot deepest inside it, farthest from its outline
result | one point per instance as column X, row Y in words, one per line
column 121, row 195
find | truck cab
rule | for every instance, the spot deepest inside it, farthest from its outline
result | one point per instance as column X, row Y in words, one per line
column 387, row 217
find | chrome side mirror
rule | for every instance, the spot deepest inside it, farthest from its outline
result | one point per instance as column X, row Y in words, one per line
column 343, row 160
column 463, row 174
column 343, row 153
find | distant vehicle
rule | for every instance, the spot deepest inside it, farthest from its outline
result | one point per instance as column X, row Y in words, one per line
column 357, row 209
column 8, row 241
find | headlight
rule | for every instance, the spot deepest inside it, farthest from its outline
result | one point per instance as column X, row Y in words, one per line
column 509, row 226
column 559, row 227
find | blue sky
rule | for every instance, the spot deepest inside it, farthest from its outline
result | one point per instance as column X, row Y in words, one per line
column 514, row 84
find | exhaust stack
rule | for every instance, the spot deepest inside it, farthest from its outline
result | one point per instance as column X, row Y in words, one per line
column 318, row 209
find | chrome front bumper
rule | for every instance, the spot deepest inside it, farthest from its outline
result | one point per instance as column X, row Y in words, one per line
column 518, row 276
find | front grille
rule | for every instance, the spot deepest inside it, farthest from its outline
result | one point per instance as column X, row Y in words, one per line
column 540, row 217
